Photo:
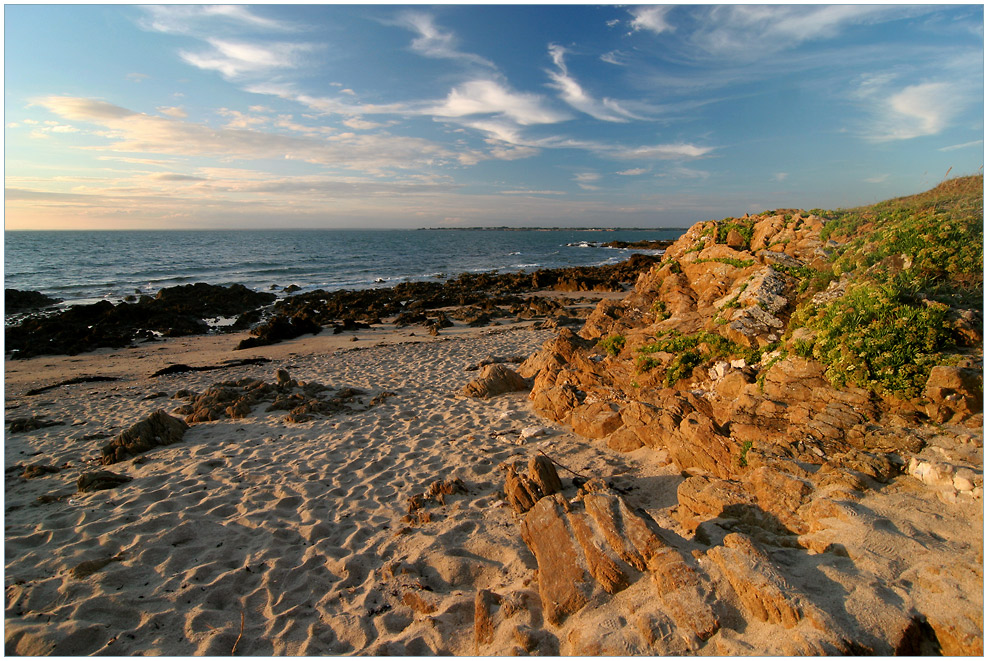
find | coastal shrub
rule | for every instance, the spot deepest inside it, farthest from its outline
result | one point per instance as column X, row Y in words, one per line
column 612, row 344
column 876, row 338
column 911, row 259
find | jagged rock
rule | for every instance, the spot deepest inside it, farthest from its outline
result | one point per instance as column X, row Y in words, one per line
column 495, row 379
column 159, row 428
column 100, row 480
column 16, row 300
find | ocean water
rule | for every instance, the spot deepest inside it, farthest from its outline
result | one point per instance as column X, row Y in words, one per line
column 87, row 266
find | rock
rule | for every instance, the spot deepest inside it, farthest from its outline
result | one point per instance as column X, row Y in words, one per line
column 38, row 470
column 735, row 240
column 159, row 428
column 173, row 312
column 100, row 480
column 20, row 425
column 565, row 586
column 278, row 329
column 495, row 379
column 763, row 592
column 596, row 420
column 954, row 393
column 17, row 300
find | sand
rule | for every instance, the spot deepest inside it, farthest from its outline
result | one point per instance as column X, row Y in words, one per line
column 269, row 537
column 257, row 536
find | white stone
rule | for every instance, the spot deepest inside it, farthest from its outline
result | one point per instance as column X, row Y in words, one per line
column 532, row 432
column 739, row 364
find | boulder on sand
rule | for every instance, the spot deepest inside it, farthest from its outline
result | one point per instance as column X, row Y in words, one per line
column 496, row 379
column 159, row 428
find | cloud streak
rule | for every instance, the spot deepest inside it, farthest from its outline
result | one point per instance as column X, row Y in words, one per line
column 432, row 41
column 573, row 94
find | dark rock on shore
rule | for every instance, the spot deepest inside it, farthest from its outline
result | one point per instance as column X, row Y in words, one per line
column 173, row 312
column 18, row 300
column 279, row 329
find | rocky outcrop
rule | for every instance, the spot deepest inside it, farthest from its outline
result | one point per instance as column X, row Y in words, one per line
column 238, row 399
column 703, row 365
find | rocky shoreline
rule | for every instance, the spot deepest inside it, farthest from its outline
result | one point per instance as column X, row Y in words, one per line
column 477, row 299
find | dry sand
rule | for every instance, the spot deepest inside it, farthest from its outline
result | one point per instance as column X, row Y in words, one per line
column 295, row 528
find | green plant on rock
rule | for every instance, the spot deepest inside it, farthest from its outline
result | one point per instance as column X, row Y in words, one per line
column 682, row 366
column 743, row 454
column 612, row 344
column 660, row 311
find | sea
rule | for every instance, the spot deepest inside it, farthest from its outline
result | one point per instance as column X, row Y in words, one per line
column 89, row 266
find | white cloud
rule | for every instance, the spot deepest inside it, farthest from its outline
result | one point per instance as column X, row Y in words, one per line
column 584, row 180
column 235, row 59
column 752, row 31
column 662, row 152
column 361, row 124
column 137, row 77
column 142, row 133
column 434, row 42
column 572, row 93
column 877, row 179
column 205, row 20
column 965, row 145
column 911, row 112
column 173, row 111
column 780, row 176
column 633, row 172
column 652, row 19
column 615, row 57
column 487, row 97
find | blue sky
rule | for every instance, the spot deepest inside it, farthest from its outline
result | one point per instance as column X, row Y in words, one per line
column 186, row 116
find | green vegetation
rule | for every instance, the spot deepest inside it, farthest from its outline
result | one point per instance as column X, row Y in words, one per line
column 737, row 263
column 691, row 352
column 659, row 310
column 745, row 228
column 911, row 259
column 612, row 344
column 743, row 456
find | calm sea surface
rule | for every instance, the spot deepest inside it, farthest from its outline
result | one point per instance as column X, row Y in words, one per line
column 89, row 266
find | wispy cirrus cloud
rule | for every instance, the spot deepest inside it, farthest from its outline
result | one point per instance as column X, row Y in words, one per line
column 236, row 59
column 755, row 31
column 911, row 111
column 652, row 19
column 489, row 97
column 205, row 20
column 433, row 41
column 572, row 92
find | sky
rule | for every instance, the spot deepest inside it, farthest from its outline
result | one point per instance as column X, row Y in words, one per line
column 404, row 116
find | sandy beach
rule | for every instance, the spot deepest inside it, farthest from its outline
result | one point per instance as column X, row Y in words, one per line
column 297, row 528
